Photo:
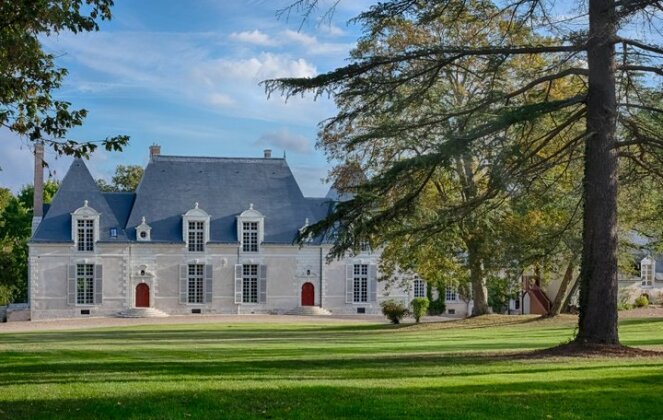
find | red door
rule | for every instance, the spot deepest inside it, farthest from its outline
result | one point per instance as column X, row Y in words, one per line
column 142, row 296
column 308, row 294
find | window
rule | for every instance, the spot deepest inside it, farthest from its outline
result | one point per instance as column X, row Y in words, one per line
column 450, row 295
column 419, row 288
column 196, row 236
column 360, row 286
column 85, row 284
column 196, row 275
column 85, row 234
column 364, row 246
column 250, row 283
column 250, row 236
column 647, row 270
column 113, row 233
column 516, row 304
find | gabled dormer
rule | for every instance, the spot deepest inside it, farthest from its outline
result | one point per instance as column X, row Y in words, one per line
column 143, row 231
column 85, row 228
column 195, row 229
column 250, row 229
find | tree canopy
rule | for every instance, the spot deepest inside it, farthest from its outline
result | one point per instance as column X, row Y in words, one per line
column 523, row 120
column 29, row 76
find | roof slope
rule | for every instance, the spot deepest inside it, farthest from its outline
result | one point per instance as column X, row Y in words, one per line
column 77, row 186
column 223, row 187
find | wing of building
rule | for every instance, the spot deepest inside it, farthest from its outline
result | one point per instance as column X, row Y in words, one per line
column 199, row 235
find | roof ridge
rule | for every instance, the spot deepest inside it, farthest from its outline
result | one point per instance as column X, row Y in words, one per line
column 213, row 158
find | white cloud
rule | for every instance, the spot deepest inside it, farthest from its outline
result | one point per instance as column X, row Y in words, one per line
column 329, row 28
column 313, row 45
column 220, row 99
column 255, row 37
column 285, row 140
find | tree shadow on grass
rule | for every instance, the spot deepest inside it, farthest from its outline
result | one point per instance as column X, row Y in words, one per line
column 374, row 366
column 635, row 396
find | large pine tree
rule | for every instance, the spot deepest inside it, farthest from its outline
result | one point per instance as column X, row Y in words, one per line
column 606, row 97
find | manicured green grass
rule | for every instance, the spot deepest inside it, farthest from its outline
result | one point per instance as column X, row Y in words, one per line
column 451, row 370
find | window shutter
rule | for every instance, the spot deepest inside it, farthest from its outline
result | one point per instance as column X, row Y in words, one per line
column 349, row 283
column 184, row 284
column 372, row 283
column 262, row 285
column 71, row 284
column 98, row 284
column 238, row 283
column 208, row 283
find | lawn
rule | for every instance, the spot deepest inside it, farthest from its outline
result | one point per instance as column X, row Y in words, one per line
column 461, row 369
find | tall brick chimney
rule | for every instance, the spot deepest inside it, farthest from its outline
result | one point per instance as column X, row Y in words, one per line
column 155, row 150
column 38, row 196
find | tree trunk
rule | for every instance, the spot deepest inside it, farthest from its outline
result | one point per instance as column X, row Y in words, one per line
column 598, row 287
column 478, row 281
column 560, row 298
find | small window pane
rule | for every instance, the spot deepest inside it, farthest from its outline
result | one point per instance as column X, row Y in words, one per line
column 196, row 236
column 85, row 284
column 196, row 273
column 250, row 283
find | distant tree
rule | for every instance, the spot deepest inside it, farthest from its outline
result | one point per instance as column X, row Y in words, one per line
column 15, row 231
column 126, row 178
column 29, row 76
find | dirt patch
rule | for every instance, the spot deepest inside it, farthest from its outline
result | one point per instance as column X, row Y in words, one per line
column 648, row 312
column 574, row 349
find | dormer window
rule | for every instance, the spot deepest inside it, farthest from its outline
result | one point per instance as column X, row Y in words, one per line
column 250, row 229
column 143, row 231
column 647, row 270
column 85, row 228
column 195, row 230
column 250, row 236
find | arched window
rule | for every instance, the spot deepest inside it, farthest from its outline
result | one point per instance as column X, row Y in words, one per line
column 647, row 271
column 419, row 288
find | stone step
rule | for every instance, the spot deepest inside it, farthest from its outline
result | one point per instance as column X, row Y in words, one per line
column 142, row 313
column 308, row 311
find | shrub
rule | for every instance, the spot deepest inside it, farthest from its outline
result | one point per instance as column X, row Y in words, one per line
column 624, row 306
column 394, row 311
column 419, row 308
column 642, row 301
column 435, row 306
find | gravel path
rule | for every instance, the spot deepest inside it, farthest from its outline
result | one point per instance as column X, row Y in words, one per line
column 102, row 322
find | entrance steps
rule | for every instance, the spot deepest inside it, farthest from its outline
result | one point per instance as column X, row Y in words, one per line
column 308, row 311
column 142, row 313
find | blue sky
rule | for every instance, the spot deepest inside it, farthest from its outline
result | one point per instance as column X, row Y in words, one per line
column 185, row 75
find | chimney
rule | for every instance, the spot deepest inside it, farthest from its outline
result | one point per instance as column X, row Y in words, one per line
column 268, row 153
column 38, row 195
column 155, row 150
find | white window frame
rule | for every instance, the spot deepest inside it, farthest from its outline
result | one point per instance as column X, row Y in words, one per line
column 250, row 232
column 249, row 281
column 196, row 284
column 647, row 272
column 85, row 214
column 196, row 214
column 419, row 288
column 87, row 279
column 250, row 216
column 360, row 283
column 450, row 294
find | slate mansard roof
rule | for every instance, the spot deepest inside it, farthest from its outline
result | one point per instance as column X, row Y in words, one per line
column 171, row 185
